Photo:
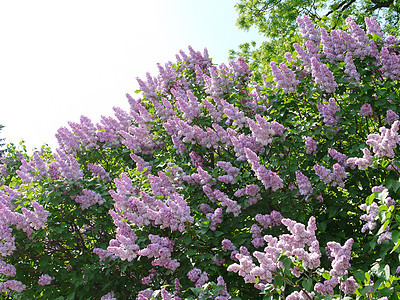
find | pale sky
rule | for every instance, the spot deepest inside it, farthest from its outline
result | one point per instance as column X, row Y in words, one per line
column 63, row 59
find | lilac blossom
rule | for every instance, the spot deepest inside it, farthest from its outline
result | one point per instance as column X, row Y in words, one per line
column 227, row 245
column 391, row 64
column 160, row 249
column 335, row 178
column 231, row 170
column 45, row 279
column 268, row 178
column 341, row 257
column 373, row 26
column 67, row 140
column 294, row 246
column 339, row 157
column 104, row 254
column 13, row 285
column 366, row 110
column 350, row 69
column 391, row 117
column 302, row 295
column 68, row 166
column 194, row 274
column 383, row 144
column 363, row 162
column 323, row 77
column 308, row 30
column 311, row 145
column 263, row 131
column 303, row 57
column 326, row 287
column 360, row 47
column 284, row 78
column 215, row 85
column 304, row 184
column 215, row 218
column 38, row 218
column 109, row 296
column 328, row 112
column 7, row 269
column 386, row 235
column 214, row 111
column 323, row 173
column 268, row 220
column 328, row 48
column 234, row 114
column 85, row 131
column 88, row 199
column 197, row 160
column 124, row 245
column 231, row 205
column 98, row 170
column 370, row 217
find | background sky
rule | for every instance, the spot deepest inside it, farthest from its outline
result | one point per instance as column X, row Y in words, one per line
column 63, row 59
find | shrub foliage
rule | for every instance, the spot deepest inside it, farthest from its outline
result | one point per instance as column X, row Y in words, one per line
column 216, row 187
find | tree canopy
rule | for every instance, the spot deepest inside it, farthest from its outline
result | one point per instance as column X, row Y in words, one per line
column 276, row 20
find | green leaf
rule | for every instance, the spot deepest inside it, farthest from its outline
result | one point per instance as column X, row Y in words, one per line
column 307, row 284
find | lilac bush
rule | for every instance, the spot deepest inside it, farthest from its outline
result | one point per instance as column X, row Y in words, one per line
column 213, row 186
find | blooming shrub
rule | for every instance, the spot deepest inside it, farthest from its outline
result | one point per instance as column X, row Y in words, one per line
column 203, row 189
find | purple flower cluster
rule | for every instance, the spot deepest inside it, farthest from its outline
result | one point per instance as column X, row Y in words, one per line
column 231, row 205
column 85, row 132
column 391, row 117
column 98, row 170
column 263, row 131
column 363, row 162
column 109, row 296
column 188, row 105
column 341, row 257
column 196, row 275
column 383, row 144
column 304, row 184
column 308, row 30
column 350, row 69
column 231, row 170
column 251, row 190
column 328, row 112
column 13, row 285
column 323, row 76
column 45, row 279
column 124, row 245
column 285, row 78
column 333, row 46
column 38, row 218
column 339, row 157
column 335, row 178
column 301, row 244
column 215, row 218
column 227, row 245
column 160, row 249
column 373, row 26
column 311, row 145
column 191, row 134
column 88, row 199
column 391, row 64
column 7, row 269
column 273, row 219
column 268, row 178
column 366, row 110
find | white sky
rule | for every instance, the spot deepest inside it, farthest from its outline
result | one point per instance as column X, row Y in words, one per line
column 63, row 59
